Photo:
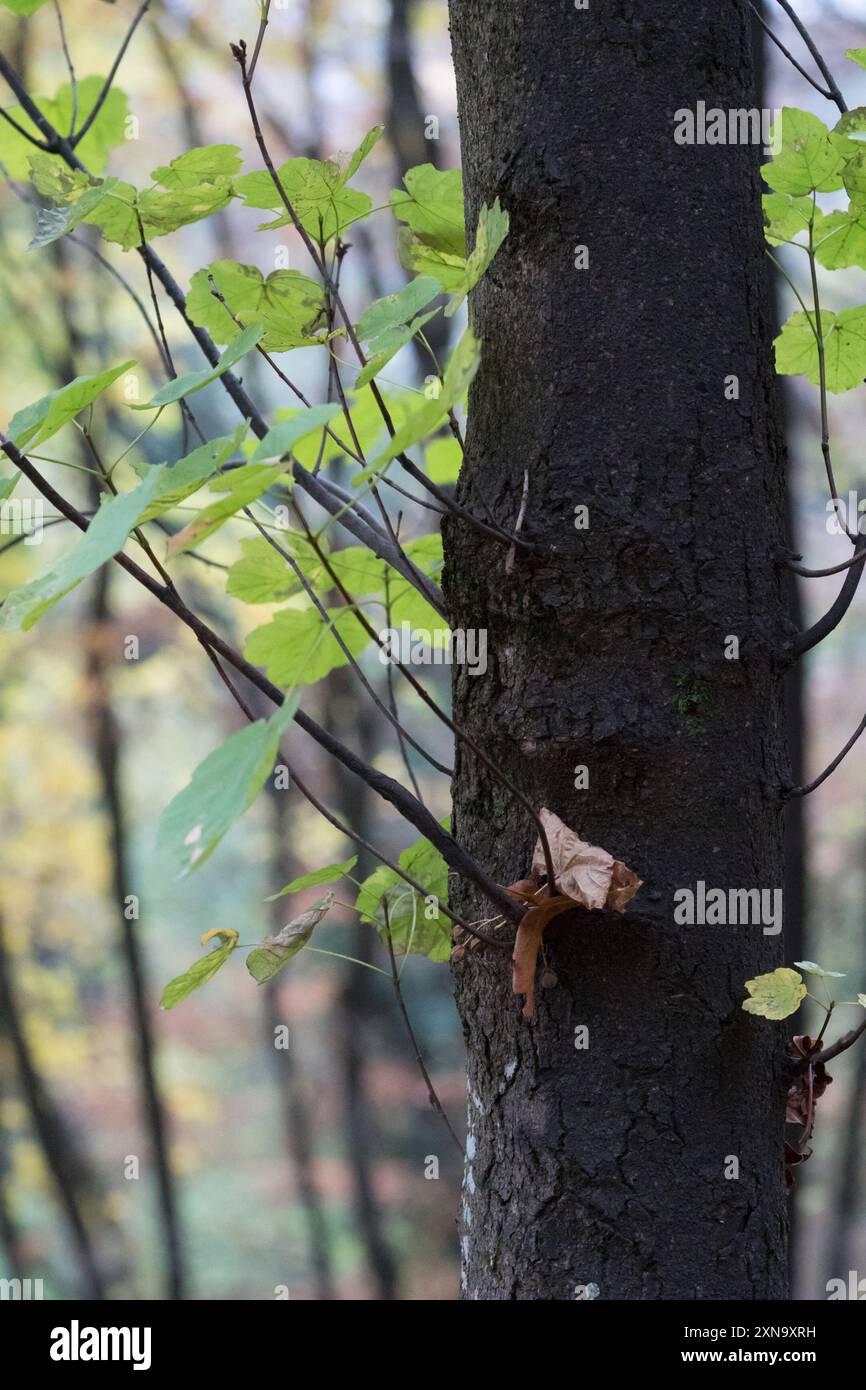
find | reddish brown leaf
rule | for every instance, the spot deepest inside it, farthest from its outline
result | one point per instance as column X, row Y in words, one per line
column 528, row 944
column 800, row 1107
column 589, row 875
column 792, row 1158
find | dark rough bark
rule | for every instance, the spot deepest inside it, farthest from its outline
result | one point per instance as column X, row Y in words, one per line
column 606, row 1166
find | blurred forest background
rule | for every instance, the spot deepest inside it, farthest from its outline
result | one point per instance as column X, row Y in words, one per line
column 308, row 1170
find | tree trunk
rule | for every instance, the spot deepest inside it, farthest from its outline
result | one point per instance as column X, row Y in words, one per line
column 601, row 1172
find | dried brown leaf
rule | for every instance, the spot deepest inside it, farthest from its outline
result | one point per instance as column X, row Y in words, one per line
column 797, row 1108
column 792, row 1158
column 298, row 932
column 526, row 889
column 624, row 884
column 586, row 874
column 528, row 944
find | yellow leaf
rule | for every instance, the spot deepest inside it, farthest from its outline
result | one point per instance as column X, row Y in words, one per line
column 775, row 995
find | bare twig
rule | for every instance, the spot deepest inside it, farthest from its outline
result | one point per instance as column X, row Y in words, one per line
column 834, row 615
column 822, row 373
column 10, row 120
column 804, row 791
column 398, row 994
column 112, row 73
column 391, row 716
column 392, row 701
column 835, row 94
column 263, row 24
column 835, row 1049
column 70, row 66
column 822, row 574
column 788, row 54
column 318, row 259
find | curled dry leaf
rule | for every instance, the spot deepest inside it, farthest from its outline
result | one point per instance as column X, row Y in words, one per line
column 800, row 1108
column 526, row 889
column 792, row 1158
column 802, row 1100
column 301, row 928
column 586, row 874
column 277, row 951
column 528, row 944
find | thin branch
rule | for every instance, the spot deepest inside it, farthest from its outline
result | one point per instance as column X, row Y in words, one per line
column 340, row 825
column 227, row 681
column 840, row 1045
column 384, row 786
column 392, row 701
column 804, row 791
column 318, row 258
column 70, row 66
column 121, row 279
column 24, row 196
column 239, row 52
column 788, row 54
column 332, row 296
column 24, row 535
column 810, row 638
column 389, row 863
column 352, row 516
column 457, row 730
column 105, row 476
column 185, row 407
column 317, row 254
column 835, row 94
column 422, row 583
column 40, row 144
column 392, row 718
column 112, row 73
column 327, row 430
column 822, row 370
column 821, row 574
column 263, row 24
column 398, row 994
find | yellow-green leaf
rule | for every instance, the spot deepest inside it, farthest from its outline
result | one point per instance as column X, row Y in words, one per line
column 808, row 160
column 198, row 974
column 297, row 647
column 775, row 995
column 290, row 305
column 844, row 336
